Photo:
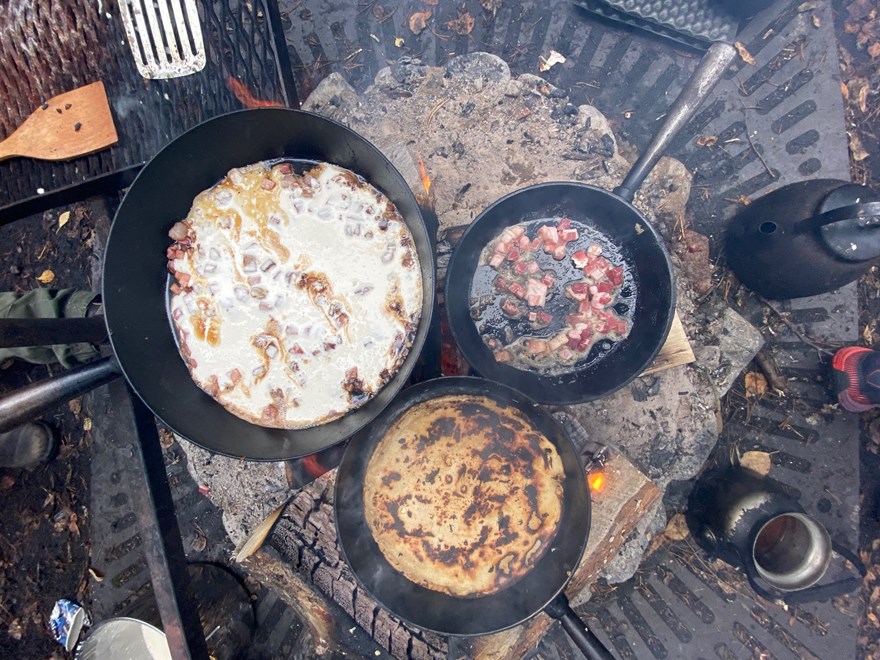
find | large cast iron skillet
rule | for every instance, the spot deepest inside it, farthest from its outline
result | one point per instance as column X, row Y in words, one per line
column 136, row 279
column 541, row 589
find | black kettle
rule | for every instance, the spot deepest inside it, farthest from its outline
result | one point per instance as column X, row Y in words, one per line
column 805, row 238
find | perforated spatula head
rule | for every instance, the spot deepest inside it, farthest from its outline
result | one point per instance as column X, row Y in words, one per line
column 165, row 37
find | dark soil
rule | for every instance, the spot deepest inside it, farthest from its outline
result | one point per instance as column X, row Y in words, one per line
column 44, row 530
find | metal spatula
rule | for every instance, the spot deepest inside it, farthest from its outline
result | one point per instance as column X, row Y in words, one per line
column 166, row 41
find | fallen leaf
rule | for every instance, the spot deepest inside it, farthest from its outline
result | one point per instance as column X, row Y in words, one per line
column 554, row 58
column 522, row 115
column 461, row 25
column 756, row 461
column 15, row 629
column 874, row 49
column 63, row 218
column 856, row 150
column 46, row 277
column 744, row 54
column 844, row 90
column 817, row 23
column 419, row 21
column 75, row 406
column 742, row 199
column 72, row 527
column 707, row 140
column 7, row 481
column 87, row 424
column 398, row 41
column 676, row 528
column 199, row 543
column 491, row 5
column 755, row 384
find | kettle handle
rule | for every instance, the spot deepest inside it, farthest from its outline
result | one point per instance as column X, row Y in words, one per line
column 842, row 214
column 820, row 592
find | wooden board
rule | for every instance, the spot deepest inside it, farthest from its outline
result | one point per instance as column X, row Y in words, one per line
column 675, row 352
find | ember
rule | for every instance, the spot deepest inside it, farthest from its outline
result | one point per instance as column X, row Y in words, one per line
column 596, row 481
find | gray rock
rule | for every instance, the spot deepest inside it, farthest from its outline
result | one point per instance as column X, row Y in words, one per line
column 739, row 342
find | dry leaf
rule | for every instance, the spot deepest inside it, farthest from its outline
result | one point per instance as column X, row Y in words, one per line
column 87, row 424
column 199, row 543
column 856, row 150
column 817, row 23
column 419, row 21
column 46, row 277
column 491, row 5
column 744, row 54
column 461, row 25
column 259, row 535
column 874, row 49
column 551, row 60
column 707, row 140
column 15, row 629
column 844, row 90
column 755, row 383
column 676, row 528
column 398, row 41
column 756, row 461
column 862, row 98
column 72, row 527
column 63, row 218
column 742, row 199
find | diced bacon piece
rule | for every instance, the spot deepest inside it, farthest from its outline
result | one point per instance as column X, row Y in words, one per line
column 296, row 348
column 502, row 247
column 621, row 327
column 517, row 230
column 532, row 267
column 557, row 342
column 549, row 233
column 560, row 252
column 536, row 294
column 520, row 267
column 604, row 287
column 580, row 259
column 577, row 291
column 548, row 279
column 544, row 317
column 513, row 253
column 575, row 320
column 496, row 260
column 566, row 355
column 533, row 316
column 501, row 284
column 536, row 243
column 565, row 223
column 537, row 346
column 601, row 262
column 502, row 356
column 601, row 300
column 523, row 241
column 584, row 307
column 583, row 345
column 568, row 235
column 594, row 272
column 510, row 308
column 594, row 250
column 574, row 333
column 517, row 289
column 573, row 342
column 615, row 275
column 586, row 333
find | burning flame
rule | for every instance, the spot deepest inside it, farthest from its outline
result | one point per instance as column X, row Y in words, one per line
column 426, row 180
column 596, row 481
column 244, row 96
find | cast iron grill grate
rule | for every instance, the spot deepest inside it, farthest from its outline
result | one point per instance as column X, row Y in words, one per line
column 50, row 47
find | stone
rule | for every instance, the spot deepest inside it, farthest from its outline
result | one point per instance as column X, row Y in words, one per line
column 739, row 343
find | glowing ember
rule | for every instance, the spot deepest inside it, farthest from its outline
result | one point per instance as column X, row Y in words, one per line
column 426, row 180
column 596, row 481
column 248, row 100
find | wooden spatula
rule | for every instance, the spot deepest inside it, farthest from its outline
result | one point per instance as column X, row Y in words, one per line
column 66, row 126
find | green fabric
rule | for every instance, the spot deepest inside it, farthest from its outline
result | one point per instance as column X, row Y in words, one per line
column 48, row 303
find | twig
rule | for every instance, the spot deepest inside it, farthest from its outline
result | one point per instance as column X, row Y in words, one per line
column 434, row 110
column 793, row 327
column 771, row 371
column 758, row 154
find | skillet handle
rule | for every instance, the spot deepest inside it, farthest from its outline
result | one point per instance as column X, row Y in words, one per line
column 705, row 77
column 26, row 403
column 583, row 638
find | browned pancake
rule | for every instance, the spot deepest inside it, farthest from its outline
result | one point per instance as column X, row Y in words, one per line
column 463, row 496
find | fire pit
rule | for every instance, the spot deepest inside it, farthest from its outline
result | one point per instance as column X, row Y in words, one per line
column 473, row 149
